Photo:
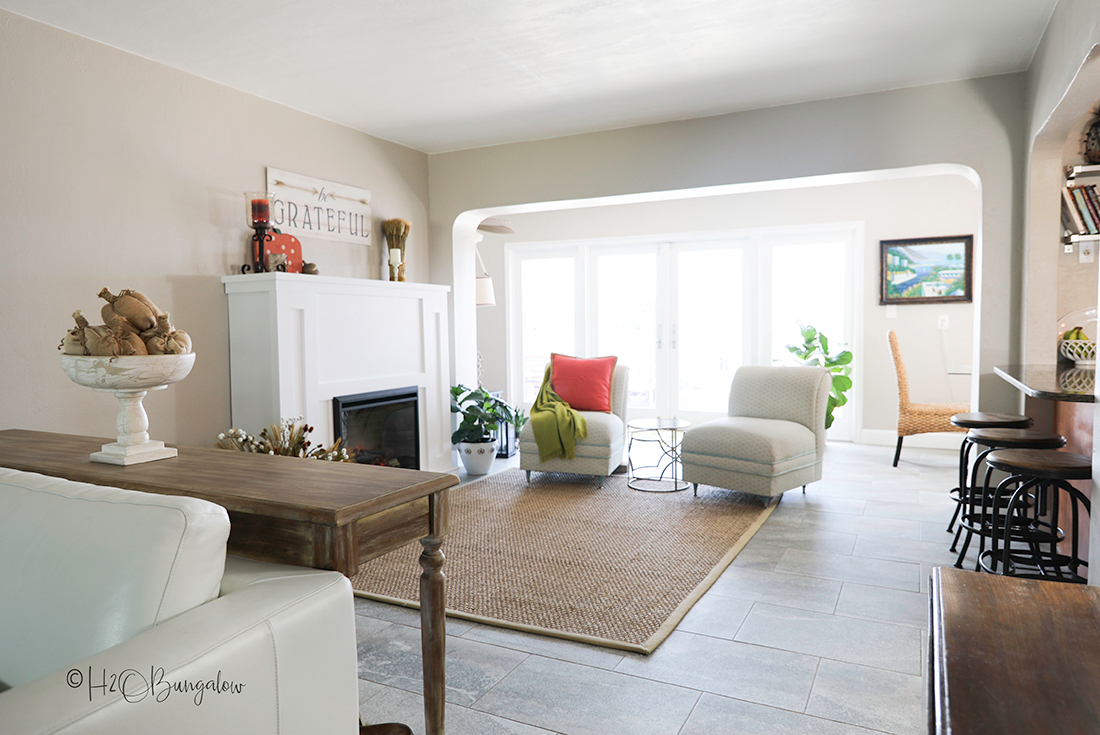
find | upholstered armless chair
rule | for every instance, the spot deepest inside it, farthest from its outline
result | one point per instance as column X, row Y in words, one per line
column 773, row 439
column 601, row 453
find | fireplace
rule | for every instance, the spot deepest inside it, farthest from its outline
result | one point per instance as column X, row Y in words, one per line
column 381, row 427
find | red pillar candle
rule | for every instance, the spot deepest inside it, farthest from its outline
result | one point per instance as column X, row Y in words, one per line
column 261, row 212
column 258, row 208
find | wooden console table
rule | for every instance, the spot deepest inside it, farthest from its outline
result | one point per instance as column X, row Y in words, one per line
column 328, row 515
column 1010, row 656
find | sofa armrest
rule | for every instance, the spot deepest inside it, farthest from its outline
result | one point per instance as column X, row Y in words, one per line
column 276, row 654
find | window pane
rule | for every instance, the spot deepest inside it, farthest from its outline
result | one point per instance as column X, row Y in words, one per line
column 807, row 287
column 549, row 309
column 626, row 307
column 709, row 288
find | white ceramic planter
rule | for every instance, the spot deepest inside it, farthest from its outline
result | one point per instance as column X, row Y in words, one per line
column 477, row 457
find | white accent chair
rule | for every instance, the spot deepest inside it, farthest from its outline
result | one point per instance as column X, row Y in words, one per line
column 601, row 452
column 121, row 613
column 773, row 439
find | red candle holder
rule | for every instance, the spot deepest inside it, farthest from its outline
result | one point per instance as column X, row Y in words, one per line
column 257, row 206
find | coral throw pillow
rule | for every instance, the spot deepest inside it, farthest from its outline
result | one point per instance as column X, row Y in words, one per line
column 583, row 382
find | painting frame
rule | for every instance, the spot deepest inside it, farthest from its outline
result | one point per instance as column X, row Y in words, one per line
column 926, row 260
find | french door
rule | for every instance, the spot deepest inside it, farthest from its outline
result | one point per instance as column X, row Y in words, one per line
column 683, row 315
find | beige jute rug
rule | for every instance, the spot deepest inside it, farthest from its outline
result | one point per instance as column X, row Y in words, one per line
column 563, row 557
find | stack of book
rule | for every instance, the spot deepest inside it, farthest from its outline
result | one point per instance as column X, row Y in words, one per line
column 1081, row 212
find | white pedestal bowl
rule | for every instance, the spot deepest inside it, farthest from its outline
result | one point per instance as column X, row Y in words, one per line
column 129, row 378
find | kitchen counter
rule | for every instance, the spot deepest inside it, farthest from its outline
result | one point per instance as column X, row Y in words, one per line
column 1061, row 382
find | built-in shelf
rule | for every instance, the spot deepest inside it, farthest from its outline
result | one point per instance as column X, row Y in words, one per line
column 1067, row 237
column 1072, row 211
column 1072, row 172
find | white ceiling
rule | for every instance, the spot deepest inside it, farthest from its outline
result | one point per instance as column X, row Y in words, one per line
column 441, row 75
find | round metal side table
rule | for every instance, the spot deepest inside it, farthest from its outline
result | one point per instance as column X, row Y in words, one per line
column 667, row 434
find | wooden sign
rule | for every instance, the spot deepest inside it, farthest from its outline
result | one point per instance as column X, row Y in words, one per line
column 309, row 207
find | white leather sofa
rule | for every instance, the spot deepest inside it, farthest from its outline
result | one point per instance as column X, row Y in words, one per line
column 120, row 613
column 601, row 452
column 773, row 438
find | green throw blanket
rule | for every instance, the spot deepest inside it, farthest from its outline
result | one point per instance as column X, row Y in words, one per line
column 557, row 427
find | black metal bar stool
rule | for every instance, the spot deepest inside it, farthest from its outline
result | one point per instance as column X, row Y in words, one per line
column 1026, row 544
column 971, row 519
column 977, row 420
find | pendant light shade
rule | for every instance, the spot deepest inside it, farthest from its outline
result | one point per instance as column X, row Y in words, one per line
column 483, row 291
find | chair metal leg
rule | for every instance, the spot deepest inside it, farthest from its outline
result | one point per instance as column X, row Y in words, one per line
column 803, row 489
column 528, row 477
column 695, row 488
column 897, row 452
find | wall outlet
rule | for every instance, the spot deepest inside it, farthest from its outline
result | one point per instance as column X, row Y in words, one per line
column 943, row 321
column 1087, row 252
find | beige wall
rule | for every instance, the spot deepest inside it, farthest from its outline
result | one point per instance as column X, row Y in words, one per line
column 977, row 123
column 123, row 173
column 903, row 206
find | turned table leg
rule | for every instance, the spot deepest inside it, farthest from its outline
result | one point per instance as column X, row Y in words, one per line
column 433, row 632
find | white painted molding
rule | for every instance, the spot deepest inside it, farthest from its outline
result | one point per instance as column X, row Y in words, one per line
column 886, row 438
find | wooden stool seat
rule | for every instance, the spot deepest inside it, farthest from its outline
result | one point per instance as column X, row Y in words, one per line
column 1027, row 539
column 978, row 516
column 976, row 420
column 1041, row 463
column 990, row 420
column 1017, row 438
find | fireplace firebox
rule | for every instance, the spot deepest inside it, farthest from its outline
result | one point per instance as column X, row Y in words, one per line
column 381, row 427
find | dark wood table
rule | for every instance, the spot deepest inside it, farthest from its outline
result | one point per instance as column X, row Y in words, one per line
column 328, row 515
column 1010, row 656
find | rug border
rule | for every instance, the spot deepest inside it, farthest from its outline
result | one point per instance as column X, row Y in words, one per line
column 650, row 644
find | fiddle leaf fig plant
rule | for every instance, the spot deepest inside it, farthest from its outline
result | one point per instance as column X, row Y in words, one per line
column 482, row 414
column 814, row 350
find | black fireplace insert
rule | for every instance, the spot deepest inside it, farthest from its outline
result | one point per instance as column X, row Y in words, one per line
column 381, row 427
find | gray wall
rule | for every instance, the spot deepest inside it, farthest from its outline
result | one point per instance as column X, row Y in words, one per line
column 978, row 123
column 123, row 173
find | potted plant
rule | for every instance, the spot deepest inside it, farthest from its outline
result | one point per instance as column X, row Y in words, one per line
column 482, row 414
column 814, row 350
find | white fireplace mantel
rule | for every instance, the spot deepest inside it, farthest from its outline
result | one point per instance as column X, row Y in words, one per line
column 295, row 341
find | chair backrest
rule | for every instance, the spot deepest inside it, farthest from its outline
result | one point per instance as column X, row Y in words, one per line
column 899, row 368
column 799, row 394
column 620, row 384
column 86, row 567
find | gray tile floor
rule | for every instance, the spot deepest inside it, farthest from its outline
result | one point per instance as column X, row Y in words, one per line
column 818, row 626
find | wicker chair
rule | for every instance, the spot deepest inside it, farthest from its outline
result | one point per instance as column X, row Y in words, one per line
column 919, row 418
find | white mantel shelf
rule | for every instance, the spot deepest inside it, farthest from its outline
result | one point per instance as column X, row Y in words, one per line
column 295, row 341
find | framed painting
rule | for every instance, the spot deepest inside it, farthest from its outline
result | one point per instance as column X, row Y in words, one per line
column 927, row 270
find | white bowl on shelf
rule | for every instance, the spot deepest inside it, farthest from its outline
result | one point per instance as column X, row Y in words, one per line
column 1081, row 351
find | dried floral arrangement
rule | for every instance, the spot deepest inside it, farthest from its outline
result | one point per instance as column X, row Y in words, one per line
column 286, row 438
column 132, row 325
column 396, row 232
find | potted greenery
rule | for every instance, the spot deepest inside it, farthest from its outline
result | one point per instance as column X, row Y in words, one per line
column 814, row 350
column 482, row 415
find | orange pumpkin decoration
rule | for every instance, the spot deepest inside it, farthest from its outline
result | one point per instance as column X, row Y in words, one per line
column 287, row 245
